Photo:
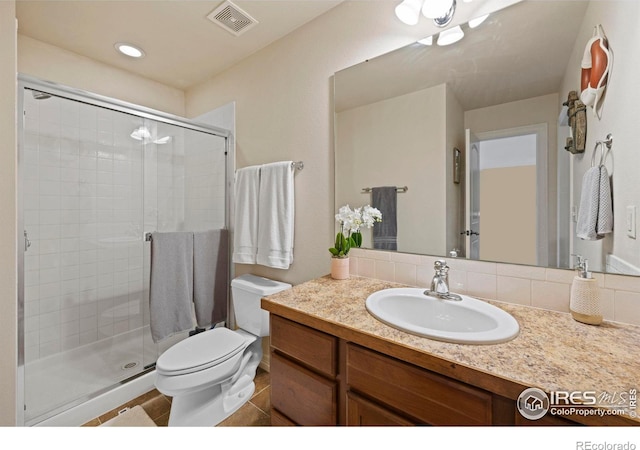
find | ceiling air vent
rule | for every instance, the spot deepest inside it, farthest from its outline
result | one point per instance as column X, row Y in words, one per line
column 232, row 18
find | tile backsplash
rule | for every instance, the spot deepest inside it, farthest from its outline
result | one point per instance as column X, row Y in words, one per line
column 525, row 285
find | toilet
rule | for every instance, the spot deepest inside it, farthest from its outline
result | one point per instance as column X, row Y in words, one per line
column 210, row 375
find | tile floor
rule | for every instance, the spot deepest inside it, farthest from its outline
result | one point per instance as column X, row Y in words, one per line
column 256, row 412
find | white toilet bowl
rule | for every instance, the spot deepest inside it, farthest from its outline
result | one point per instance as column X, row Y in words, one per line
column 210, row 375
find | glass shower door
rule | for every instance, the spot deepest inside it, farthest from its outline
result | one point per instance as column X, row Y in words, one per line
column 82, row 197
column 94, row 181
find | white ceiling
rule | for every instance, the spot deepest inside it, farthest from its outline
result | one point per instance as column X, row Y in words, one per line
column 182, row 46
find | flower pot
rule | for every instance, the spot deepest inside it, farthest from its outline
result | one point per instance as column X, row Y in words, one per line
column 339, row 268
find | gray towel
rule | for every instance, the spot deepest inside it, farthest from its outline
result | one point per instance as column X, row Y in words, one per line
column 210, row 276
column 171, row 290
column 385, row 234
column 595, row 217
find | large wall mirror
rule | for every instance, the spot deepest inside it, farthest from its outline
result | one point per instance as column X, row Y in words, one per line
column 476, row 131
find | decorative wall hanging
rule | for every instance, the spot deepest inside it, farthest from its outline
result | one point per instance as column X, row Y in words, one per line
column 576, row 110
column 457, row 162
column 596, row 65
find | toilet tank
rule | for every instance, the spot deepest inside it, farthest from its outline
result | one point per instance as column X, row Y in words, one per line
column 246, row 293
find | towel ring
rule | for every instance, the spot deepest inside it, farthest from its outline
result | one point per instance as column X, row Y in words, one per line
column 608, row 142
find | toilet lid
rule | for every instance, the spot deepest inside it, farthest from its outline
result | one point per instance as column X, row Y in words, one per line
column 200, row 351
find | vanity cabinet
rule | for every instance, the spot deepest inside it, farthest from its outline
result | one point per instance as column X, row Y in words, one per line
column 304, row 367
column 333, row 364
column 318, row 379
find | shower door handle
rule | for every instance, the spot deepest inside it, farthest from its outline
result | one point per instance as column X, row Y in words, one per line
column 27, row 242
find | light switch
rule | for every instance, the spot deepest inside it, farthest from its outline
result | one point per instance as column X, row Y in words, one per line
column 631, row 221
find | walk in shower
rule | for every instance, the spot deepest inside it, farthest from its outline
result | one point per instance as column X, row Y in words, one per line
column 96, row 175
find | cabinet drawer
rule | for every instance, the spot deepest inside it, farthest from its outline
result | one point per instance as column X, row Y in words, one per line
column 428, row 397
column 303, row 396
column 361, row 412
column 314, row 348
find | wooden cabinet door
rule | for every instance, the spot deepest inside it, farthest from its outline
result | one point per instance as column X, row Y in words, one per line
column 303, row 396
column 362, row 412
column 312, row 348
column 429, row 398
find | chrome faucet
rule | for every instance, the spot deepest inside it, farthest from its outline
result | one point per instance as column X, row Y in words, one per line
column 440, row 282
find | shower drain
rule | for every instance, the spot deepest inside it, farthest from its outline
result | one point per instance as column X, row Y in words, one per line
column 130, row 365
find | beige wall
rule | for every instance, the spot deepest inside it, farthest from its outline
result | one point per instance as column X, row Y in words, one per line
column 284, row 111
column 398, row 142
column 51, row 63
column 8, row 161
column 508, row 204
column 619, row 116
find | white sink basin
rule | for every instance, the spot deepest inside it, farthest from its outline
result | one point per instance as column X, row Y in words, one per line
column 469, row 321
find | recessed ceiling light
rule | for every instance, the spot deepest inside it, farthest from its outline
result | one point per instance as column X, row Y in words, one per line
column 129, row 50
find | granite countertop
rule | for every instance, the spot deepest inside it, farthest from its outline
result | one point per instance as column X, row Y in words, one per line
column 553, row 352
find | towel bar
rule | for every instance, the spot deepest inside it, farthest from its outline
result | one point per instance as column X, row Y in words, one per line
column 608, row 142
column 398, row 189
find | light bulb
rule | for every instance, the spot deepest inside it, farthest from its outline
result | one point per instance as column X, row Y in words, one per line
column 477, row 21
column 450, row 36
column 409, row 11
column 426, row 41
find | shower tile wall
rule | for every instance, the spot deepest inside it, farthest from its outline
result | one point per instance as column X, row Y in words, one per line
column 204, row 189
column 90, row 194
column 184, row 181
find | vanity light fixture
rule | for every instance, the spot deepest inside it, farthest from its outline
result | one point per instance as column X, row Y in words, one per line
column 129, row 50
column 432, row 9
column 409, row 11
column 473, row 23
column 450, row 36
column 440, row 11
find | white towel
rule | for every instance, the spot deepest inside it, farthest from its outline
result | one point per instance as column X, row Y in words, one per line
column 605, row 207
column 595, row 217
column 245, row 239
column 276, row 212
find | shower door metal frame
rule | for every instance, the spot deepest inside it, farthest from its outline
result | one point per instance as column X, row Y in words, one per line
column 26, row 82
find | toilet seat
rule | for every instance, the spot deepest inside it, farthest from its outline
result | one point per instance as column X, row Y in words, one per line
column 201, row 352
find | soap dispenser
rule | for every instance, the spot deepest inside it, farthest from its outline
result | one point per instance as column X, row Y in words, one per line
column 585, row 295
